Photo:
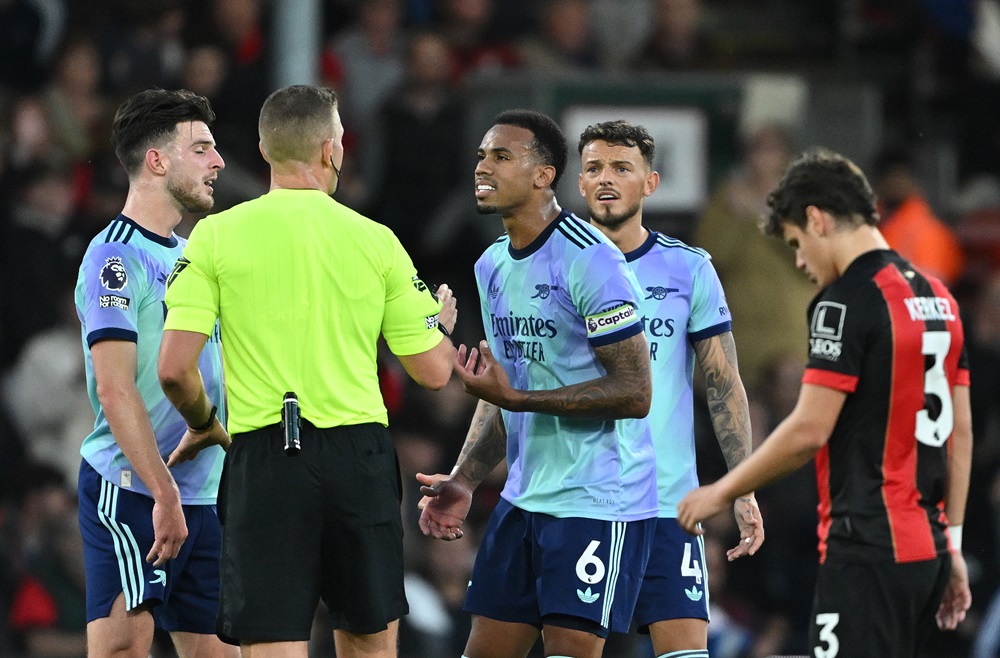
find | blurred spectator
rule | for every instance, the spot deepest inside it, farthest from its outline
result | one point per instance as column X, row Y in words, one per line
column 983, row 548
column 678, row 42
column 142, row 45
column 562, row 42
column 370, row 59
column 767, row 295
column 31, row 140
column 423, row 122
column 238, row 26
column 48, row 612
column 38, row 259
column 51, row 368
column 620, row 27
column 467, row 26
column 30, row 31
column 908, row 223
column 77, row 112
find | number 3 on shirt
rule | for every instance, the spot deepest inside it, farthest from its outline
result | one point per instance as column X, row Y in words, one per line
column 935, row 431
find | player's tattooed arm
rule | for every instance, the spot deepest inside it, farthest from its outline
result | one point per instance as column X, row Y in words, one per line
column 626, row 390
column 727, row 399
column 485, row 444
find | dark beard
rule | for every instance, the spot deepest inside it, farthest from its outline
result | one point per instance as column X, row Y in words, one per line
column 188, row 201
column 609, row 220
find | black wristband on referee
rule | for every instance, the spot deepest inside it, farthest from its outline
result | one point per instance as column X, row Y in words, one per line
column 208, row 423
column 443, row 330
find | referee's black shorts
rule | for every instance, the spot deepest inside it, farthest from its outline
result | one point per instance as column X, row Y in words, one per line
column 876, row 609
column 324, row 523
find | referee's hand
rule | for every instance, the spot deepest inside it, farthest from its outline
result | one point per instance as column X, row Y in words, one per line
column 448, row 316
column 195, row 441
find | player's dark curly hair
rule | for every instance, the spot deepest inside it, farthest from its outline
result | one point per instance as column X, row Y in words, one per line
column 549, row 145
column 824, row 179
column 620, row 133
column 149, row 119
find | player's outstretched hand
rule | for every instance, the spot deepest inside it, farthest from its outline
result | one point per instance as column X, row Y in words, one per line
column 169, row 529
column 957, row 597
column 445, row 505
column 751, row 526
column 194, row 442
column 483, row 377
column 698, row 505
column 449, row 307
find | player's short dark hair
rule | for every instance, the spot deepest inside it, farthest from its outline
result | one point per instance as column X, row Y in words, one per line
column 620, row 133
column 149, row 119
column 824, row 179
column 295, row 121
column 549, row 143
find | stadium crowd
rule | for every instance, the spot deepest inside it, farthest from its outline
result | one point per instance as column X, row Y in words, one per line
column 400, row 68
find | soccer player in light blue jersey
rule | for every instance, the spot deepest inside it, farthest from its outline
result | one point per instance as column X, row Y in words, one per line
column 564, row 360
column 686, row 320
column 151, row 536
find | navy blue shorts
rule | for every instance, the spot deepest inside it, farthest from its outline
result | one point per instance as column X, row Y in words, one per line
column 534, row 569
column 117, row 529
column 676, row 582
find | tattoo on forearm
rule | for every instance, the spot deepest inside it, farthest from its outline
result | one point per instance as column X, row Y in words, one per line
column 727, row 399
column 625, row 389
column 485, row 445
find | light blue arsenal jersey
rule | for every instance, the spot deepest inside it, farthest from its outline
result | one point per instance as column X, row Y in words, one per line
column 119, row 296
column 682, row 303
column 545, row 308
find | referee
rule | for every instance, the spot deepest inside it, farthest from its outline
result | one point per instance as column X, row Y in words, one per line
column 303, row 288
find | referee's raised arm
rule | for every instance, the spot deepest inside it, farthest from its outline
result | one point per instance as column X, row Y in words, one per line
column 303, row 288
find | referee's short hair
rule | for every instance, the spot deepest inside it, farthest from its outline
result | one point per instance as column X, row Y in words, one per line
column 149, row 119
column 295, row 121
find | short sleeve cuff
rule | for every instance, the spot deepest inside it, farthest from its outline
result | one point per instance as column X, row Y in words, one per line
column 415, row 344
column 111, row 333
column 190, row 319
column 830, row 379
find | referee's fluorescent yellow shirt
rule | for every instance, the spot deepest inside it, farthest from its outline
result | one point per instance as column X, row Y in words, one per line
column 302, row 287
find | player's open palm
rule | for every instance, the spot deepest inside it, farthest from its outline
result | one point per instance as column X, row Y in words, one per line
column 482, row 376
column 446, row 504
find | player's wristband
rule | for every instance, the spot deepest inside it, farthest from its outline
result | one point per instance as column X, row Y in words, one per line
column 955, row 538
column 208, row 423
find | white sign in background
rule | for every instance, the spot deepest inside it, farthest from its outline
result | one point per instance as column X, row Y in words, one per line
column 681, row 155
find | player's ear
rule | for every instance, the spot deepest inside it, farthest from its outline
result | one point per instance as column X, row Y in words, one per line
column 816, row 220
column 156, row 161
column 652, row 182
column 545, row 175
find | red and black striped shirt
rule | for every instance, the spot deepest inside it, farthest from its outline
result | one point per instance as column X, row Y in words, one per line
column 891, row 338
